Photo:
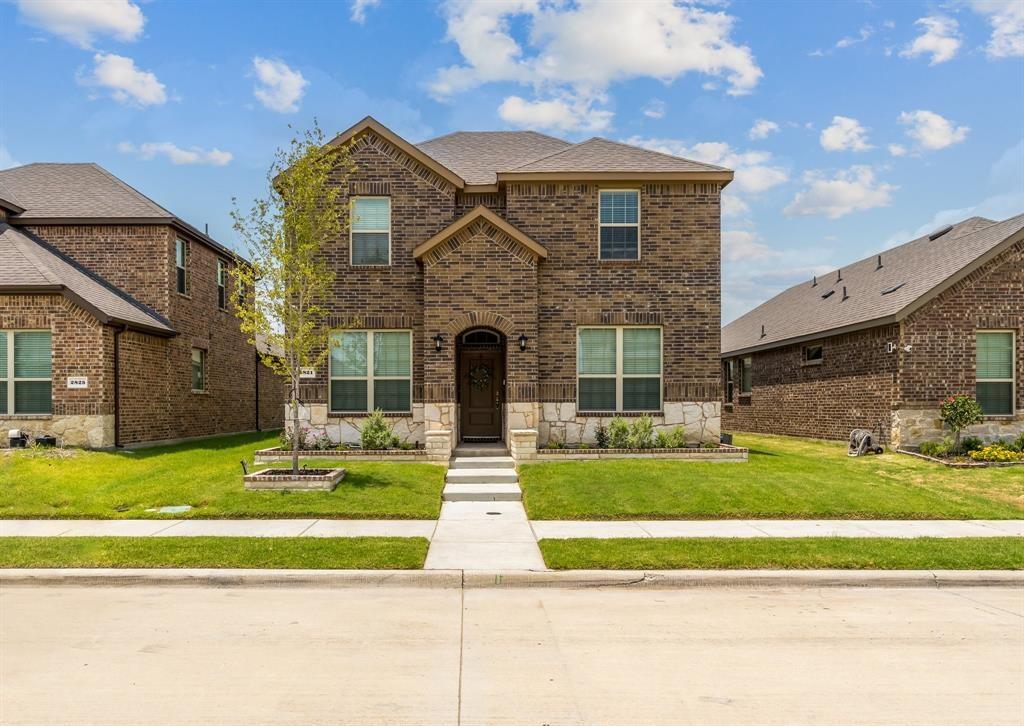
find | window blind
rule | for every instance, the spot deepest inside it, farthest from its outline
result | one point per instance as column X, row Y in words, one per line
column 597, row 351
column 348, row 354
column 391, row 354
column 32, row 355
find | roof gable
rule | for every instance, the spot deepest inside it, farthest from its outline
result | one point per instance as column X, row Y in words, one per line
column 478, row 155
column 865, row 294
column 480, row 220
column 32, row 265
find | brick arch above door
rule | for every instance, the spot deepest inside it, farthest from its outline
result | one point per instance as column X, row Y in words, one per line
column 480, row 319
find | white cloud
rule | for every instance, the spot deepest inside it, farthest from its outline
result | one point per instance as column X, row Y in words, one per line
column 1008, row 169
column 845, row 134
column 279, row 87
column 1007, row 20
column 762, row 129
column 739, row 244
column 655, row 108
column 850, row 190
column 126, row 82
column 563, row 114
column 175, row 154
column 756, row 171
column 897, row 150
column 580, row 49
column 359, row 8
column 732, row 205
column 940, row 39
column 931, row 131
column 6, row 159
column 82, row 21
column 866, row 32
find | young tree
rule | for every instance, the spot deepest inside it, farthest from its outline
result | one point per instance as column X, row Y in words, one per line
column 281, row 296
column 958, row 412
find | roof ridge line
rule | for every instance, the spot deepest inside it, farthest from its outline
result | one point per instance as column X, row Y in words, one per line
column 130, row 188
column 660, row 153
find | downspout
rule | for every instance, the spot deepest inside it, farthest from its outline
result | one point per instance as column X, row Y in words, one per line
column 117, row 386
column 258, row 390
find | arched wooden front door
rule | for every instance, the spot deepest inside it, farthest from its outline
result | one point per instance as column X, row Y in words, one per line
column 481, row 371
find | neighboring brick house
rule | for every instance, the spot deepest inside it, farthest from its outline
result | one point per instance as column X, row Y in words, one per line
column 114, row 320
column 500, row 281
column 878, row 344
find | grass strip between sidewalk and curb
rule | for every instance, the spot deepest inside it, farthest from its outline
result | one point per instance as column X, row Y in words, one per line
column 835, row 553
column 327, row 553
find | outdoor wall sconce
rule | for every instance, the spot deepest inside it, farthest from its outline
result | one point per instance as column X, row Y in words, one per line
column 522, row 342
column 438, row 339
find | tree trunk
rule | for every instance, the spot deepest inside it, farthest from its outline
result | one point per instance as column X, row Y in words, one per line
column 296, row 432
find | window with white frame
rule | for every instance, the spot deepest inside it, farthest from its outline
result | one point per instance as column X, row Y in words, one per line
column 222, row 285
column 371, row 231
column 746, row 376
column 619, row 369
column 26, row 385
column 995, row 381
column 198, row 369
column 180, row 262
column 619, row 226
column 371, row 369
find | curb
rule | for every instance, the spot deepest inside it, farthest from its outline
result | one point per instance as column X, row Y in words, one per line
column 510, row 579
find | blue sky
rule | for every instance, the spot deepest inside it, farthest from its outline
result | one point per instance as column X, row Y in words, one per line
column 852, row 126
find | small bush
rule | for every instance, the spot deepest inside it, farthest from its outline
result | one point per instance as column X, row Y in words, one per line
column 996, row 452
column 601, row 436
column 661, row 441
column 710, row 445
column 677, row 438
column 376, row 434
column 618, row 433
column 1018, row 444
column 971, row 443
column 641, row 433
column 937, row 449
column 309, row 440
column 553, row 444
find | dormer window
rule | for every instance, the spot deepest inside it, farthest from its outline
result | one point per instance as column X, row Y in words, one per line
column 619, row 224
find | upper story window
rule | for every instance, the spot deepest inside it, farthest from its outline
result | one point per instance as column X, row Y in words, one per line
column 180, row 265
column 619, row 369
column 813, row 354
column 26, row 385
column 746, row 375
column 222, row 284
column 620, row 224
column 371, row 231
column 198, row 369
column 995, row 381
column 371, row 369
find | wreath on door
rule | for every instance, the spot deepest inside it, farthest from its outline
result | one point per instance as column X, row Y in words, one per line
column 480, row 376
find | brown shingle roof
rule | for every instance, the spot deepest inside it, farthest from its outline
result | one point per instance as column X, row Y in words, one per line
column 29, row 264
column 477, row 156
column 83, row 192
column 603, row 155
column 912, row 273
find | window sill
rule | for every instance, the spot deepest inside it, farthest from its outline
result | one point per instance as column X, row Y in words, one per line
column 350, row 414
column 198, row 392
column 371, row 267
column 602, row 261
column 183, row 294
column 807, row 363
column 1001, row 417
column 26, row 416
column 620, row 414
column 745, row 396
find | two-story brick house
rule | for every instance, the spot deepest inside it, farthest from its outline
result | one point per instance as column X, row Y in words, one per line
column 500, row 281
column 115, row 326
column 879, row 343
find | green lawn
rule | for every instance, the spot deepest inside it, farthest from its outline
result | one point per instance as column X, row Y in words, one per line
column 926, row 553
column 207, row 475
column 336, row 553
column 786, row 478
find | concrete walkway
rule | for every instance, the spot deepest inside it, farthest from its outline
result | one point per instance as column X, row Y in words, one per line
column 473, row 522
column 483, row 536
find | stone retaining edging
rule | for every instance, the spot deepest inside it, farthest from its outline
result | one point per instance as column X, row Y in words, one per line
column 723, row 452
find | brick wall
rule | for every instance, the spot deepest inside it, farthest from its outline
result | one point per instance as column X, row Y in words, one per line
column 853, row 387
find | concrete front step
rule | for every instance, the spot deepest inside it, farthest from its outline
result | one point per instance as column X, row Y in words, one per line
column 476, row 492
column 480, row 450
column 482, row 462
column 482, row 476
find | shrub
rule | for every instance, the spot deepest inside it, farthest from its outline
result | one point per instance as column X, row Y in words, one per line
column 553, row 444
column 971, row 443
column 677, row 438
column 710, row 445
column 1018, row 444
column 997, row 452
column 618, row 433
column 661, row 441
column 376, row 434
column 601, row 436
column 641, row 433
column 938, row 449
column 958, row 412
column 309, row 440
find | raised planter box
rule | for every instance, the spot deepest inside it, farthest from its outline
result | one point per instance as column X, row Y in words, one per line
column 309, row 480
column 278, row 454
column 960, row 464
column 722, row 452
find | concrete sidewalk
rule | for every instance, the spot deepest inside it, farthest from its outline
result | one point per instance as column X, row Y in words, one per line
column 472, row 522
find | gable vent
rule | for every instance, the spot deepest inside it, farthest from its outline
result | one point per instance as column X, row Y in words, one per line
column 892, row 289
column 939, row 232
